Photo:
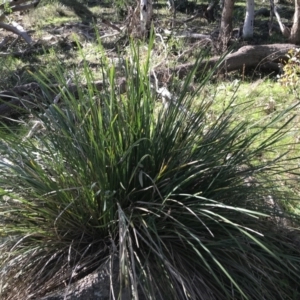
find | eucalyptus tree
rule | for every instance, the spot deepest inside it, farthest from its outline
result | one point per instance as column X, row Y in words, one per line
column 295, row 31
column 146, row 12
column 226, row 23
column 249, row 19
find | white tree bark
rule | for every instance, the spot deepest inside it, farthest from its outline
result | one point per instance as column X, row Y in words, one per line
column 295, row 32
column 249, row 20
column 170, row 4
column 284, row 30
column 146, row 12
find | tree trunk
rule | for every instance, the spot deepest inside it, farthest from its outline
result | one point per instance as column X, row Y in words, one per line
column 272, row 5
column 226, row 24
column 249, row 20
column 295, row 32
column 284, row 30
column 146, row 12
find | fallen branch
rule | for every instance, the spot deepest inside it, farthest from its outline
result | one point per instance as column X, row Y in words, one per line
column 17, row 29
column 108, row 23
column 4, row 42
column 188, row 35
column 193, row 35
column 13, row 54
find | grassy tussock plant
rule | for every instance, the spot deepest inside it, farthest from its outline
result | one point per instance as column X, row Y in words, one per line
column 168, row 192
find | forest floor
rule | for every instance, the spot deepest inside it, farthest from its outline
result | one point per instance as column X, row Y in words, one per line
column 60, row 28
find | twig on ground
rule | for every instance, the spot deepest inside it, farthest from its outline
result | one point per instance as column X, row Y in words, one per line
column 58, row 96
column 13, row 42
column 36, row 126
column 13, row 54
column 166, row 51
column 109, row 35
column 4, row 42
column 108, row 23
column 193, row 35
column 191, row 49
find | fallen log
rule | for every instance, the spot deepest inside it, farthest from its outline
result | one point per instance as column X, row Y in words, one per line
column 246, row 57
column 17, row 29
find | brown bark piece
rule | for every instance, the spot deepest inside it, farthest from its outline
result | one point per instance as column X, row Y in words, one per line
column 226, row 24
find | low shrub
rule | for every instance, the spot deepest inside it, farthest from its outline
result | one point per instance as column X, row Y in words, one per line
column 291, row 70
